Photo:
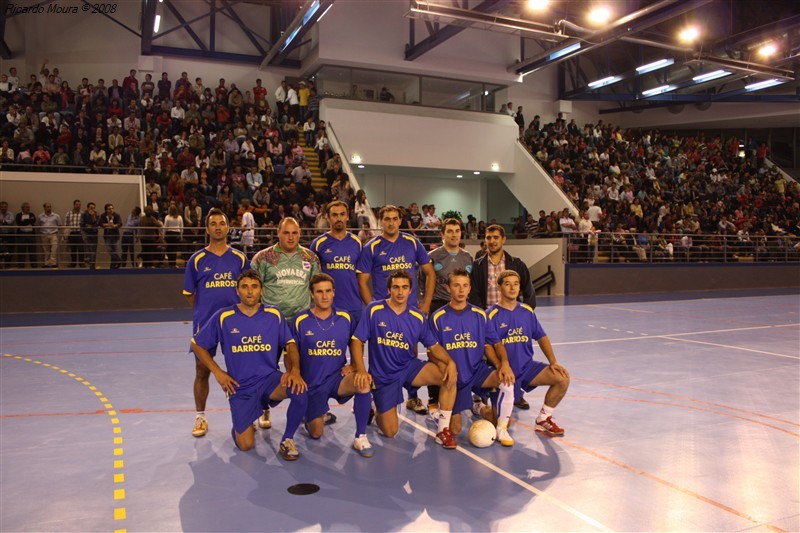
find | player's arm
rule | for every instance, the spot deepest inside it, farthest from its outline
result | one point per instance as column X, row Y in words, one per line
column 547, row 350
column 430, row 287
column 362, row 378
column 446, row 365
column 497, row 356
column 292, row 378
column 224, row 379
column 364, row 288
column 189, row 298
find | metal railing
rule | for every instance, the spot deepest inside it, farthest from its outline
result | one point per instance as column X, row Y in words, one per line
column 624, row 247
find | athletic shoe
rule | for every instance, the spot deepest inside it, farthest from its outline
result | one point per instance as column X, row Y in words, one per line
column 504, row 438
column 362, row 446
column 550, row 427
column 330, row 418
column 416, row 405
column 477, row 407
column 200, row 427
column 446, row 439
column 522, row 404
column 288, row 450
column 263, row 421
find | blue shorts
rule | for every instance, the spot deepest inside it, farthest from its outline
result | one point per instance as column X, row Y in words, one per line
column 465, row 390
column 248, row 404
column 389, row 395
column 319, row 395
column 523, row 381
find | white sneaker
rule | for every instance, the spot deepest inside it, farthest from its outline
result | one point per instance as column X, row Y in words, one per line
column 477, row 408
column 362, row 446
column 264, row 421
column 503, row 437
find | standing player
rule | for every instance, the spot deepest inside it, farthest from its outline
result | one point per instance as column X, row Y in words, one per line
column 463, row 330
column 394, row 328
column 338, row 251
column 517, row 326
column 390, row 251
column 209, row 285
column 252, row 337
column 446, row 259
column 322, row 334
column 285, row 269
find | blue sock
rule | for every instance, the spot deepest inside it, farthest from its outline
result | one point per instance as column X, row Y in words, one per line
column 361, row 406
column 294, row 415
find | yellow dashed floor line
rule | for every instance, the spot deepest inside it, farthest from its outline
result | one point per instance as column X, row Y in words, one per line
column 120, row 512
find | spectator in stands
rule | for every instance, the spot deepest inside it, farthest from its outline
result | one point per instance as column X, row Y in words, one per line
column 90, row 221
column 111, row 223
column 48, row 224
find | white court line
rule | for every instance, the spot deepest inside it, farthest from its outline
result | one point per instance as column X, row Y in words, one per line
column 95, row 325
column 731, row 347
column 514, row 479
column 601, row 306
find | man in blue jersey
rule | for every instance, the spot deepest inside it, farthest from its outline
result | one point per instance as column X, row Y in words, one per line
column 323, row 334
column 252, row 337
column 393, row 328
column 464, row 331
column 209, row 285
column 517, row 326
column 390, row 251
column 338, row 251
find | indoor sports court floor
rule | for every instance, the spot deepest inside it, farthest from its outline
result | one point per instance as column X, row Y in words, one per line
column 683, row 415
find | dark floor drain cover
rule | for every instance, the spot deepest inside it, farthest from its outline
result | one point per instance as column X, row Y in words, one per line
column 303, row 489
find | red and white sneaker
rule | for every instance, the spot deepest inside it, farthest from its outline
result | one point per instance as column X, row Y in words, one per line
column 550, row 427
column 446, row 438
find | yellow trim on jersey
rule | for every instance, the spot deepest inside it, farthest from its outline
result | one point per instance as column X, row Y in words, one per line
column 274, row 312
column 418, row 315
column 376, row 242
column 360, row 245
column 197, row 259
column 437, row 314
column 225, row 315
column 479, row 311
column 344, row 314
column 187, row 293
column 320, row 241
column 410, row 238
column 526, row 306
column 241, row 256
column 376, row 308
column 298, row 320
column 494, row 312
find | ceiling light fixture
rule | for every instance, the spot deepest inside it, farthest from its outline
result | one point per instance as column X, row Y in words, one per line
column 689, row 34
column 538, row 5
column 763, row 84
column 658, row 90
column 708, row 76
column 599, row 15
column 767, row 50
column 655, row 65
column 477, row 173
column 564, row 51
column 603, row 82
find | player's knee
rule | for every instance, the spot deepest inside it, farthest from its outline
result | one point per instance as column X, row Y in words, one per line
column 315, row 433
column 389, row 432
column 244, row 443
column 563, row 381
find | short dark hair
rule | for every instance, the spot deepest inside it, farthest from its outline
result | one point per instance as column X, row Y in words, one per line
column 248, row 274
column 453, row 222
column 216, row 211
column 457, row 272
column 398, row 274
column 320, row 278
column 498, row 228
column 335, row 203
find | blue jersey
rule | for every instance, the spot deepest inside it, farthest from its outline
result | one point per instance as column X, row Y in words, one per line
column 252, row 344
column 322, row 344
column 463, row 334
column 338, row 260
column 393, row 338
column 380, row 257
column 211, row 279
column 517, row 329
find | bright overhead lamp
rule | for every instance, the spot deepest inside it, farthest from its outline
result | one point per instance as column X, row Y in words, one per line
column 655, row 65
column 599, row 15
column 459, row 176
column 538, row 5
column 689, row 34
column 659, row 90
column 157, row 24
column 708, row 76
column 564, row 51
column 763, row 84
column 495, row 167
column 603, row 82
column 767, row 50
column 360, row 166
column 477, row 173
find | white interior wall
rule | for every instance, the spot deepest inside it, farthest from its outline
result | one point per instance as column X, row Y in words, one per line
column 721, row 115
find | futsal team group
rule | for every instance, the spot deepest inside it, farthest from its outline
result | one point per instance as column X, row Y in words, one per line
column 313, row 305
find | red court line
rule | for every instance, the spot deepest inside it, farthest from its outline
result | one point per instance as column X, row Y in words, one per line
column 687, row 398
column 655, row 478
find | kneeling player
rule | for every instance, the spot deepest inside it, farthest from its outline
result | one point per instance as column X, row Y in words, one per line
column 394, row 328
column 323, row 334
column 252, row 336
column 517, row 326
column 466, row 334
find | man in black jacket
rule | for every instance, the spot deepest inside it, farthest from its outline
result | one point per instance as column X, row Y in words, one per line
column 485, row 291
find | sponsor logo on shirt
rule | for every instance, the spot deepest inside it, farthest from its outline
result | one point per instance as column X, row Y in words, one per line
column 328, row 251
column 306, row 265
column 207, row 269
column 309, row 333
column 235, row 330
column 381, row 324
column 503, row 325
column 447, row 328
column 382, row 253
